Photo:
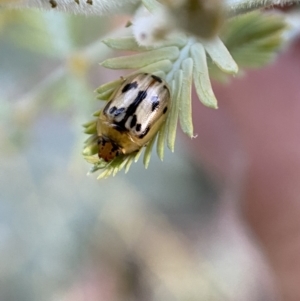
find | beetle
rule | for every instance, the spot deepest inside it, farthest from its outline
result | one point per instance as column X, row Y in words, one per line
column 133, row 115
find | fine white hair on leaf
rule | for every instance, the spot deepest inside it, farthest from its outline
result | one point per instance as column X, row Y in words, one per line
column 89, row 7
column 259, row 3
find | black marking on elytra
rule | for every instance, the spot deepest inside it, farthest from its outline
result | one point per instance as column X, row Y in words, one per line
column 112, row 110
column 89, row 2
column 155, row 102
column 133, row 121
column 165, row 87
column 165, row 110
column 130, row 86
column 132, row 108
column 156, row 78
column 119, row 128
column 53, row 3
column 77, row 1
column 138, row 127
column 115, row 111
column 145, row 132
column 119, row 111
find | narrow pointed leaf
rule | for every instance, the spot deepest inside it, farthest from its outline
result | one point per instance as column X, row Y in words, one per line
column 148, row 152
column 128, row 163
column 173, row 115
column 96, row 114
column 90, row 150
column 160, row 147
column 137, row 156
column 129, row 43
column 142, row 59
column 88, row 124
column 108, row 86
column 220, row 55
column 122, row 43
column 185, row 110
column 201, row 77
column 106, row 95
column 164, row 66
column 91, row 139
column 92, row 129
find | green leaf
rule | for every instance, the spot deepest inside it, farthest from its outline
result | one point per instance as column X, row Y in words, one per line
column 160, row 147
column 109, row 86
column 148, row 151
column 91, row 129
column 220, row 55
column 185, row 110
column 201, row 77
column 122, row 43
column 129, row 43
column 163, row 66
column 254, row 38
column 142, row 59
column 173, row 115
column 105, row 95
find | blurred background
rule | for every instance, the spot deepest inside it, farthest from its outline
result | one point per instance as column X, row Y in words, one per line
column 167, row 233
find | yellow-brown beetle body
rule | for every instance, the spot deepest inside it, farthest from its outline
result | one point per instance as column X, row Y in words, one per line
column 132, row 116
